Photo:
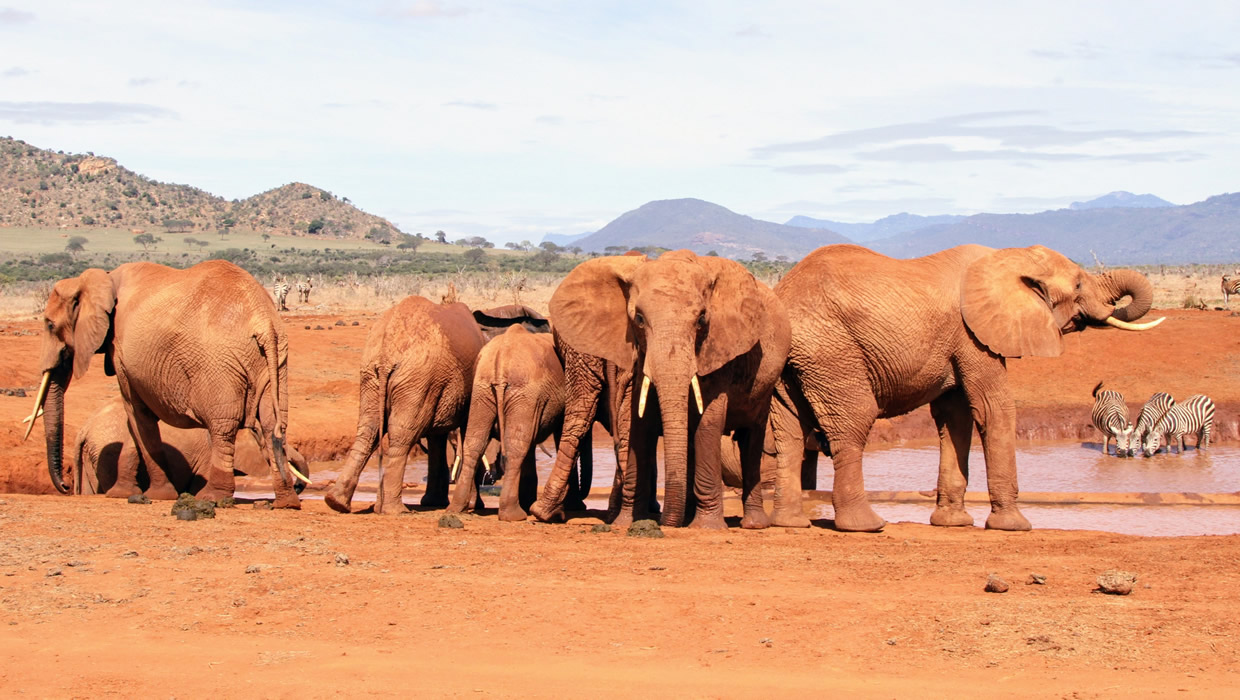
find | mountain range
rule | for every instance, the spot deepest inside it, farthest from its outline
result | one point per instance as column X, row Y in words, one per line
column 1119, row 228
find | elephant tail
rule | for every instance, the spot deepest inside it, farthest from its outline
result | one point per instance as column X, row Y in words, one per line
column 270, row 346
column 499, row 408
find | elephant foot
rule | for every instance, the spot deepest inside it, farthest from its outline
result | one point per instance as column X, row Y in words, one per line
column 712, row 520
column 858, row 518
column 782, row 518
column 623, row 519
column 547, row 514
column 430, row 500
column 118, row 491
column 454, row 508
column 166, row 492
column 288, row 500
column 1009, row 518
column 393, row 507
column 947, row 516
column 756, row 519
column 512, row 514
column 337, row 501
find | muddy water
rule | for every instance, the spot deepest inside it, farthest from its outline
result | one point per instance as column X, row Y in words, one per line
column 1053, row 467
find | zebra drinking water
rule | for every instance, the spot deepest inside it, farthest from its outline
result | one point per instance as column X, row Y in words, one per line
column 1110, row 415
column 1153, row 409
column 1194, row 415
column 279, row 289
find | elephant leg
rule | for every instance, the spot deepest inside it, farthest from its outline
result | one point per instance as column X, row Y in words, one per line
column 144, row 428
column 285, row 492
column 436, row 495
column 126, row 483
column 583, row 380
column 221, row 483
column 466, row 496
column 585, row 467
column 527, row 491
column 640, row 474
column 389, row 501
column 708, row 468
column 789, row 448
column 994, row 411
column 751, row 443
column 955, row 423
column 369, row 424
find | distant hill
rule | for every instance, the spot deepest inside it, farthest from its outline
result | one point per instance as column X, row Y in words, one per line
column 883, row 228
column 564, row 239
column 42, row 188
column 704, row 227
column 1122, row 199
column 1205, row 232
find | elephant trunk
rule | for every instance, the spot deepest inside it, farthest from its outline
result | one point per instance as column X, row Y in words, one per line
column 1117, row 284
column 672, row 379
column 54, row 425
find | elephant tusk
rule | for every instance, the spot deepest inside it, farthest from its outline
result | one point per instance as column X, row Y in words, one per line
column 641, row 400
column 1125, row 325
column 456, row 468
column 298, row 474
column 697, row 393
column 38, row 403
column 486, row 462
column 27, row 419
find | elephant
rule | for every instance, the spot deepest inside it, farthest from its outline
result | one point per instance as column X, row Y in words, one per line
column 106, row 455
column 519, row 385
column 689, row 325
column 416, row 374
column 201, row 347
column 875, row 337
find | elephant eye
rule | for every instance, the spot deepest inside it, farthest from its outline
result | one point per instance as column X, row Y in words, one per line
column 639, row 320
column 701, row 320
column 50, row 326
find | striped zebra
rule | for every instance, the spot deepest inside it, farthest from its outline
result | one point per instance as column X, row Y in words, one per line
column 1231, row 285
column 279, row 289
column 1110, row 415
column 303, row 290
column 1194, row 415
column 1153, row 409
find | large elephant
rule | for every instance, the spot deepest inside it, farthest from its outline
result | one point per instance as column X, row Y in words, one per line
column 196, row 348
column 519, row 389
column 687, row 324
column 107, row 459
column 416, row 375
column 874, row 337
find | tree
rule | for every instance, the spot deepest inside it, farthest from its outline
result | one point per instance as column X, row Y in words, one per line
column 178, row 225
column 315, row 226
column 526, row 245
column 550, row 247
column 410, row 243
column 190, row 241
column 759, row 256
column 512, row 245
column 88, row 220
column 147, row 240
column 76, row 245
column 441, row 236
column 615, row 249
column 474, row 256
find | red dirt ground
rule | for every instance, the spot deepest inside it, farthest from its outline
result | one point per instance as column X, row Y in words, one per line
column 502, row 609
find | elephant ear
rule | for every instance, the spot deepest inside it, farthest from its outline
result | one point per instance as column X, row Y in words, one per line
column 1007, row 302
column 92, row 300
column 590, row 308
column 735, row 313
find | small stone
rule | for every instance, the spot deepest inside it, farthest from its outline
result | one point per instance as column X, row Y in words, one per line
column 1115, row 582
column 645, row 528
column 342, row 559
column 55, row 571
column 318, row 328
column 994, row 584
column 339, row 322
column 129, row 553
column 1036, row 579
column 262, row 505
column 450, row 520
column 255, row 568
column 356, row 323
column 139, row 498
column 226, row 502
column 186, row 514
column 601, row 527
column 307, row 327
column 239, row 603
column 186, row 503
column 76, row 562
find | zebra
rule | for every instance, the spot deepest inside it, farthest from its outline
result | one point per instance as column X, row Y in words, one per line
column 279, row 289
column 303, row 291
column 1194, row 415
column 1153, row 409
column 1110, row 415
column 1231, row 285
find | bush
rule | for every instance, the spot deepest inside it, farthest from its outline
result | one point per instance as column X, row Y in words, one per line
column 315, row 226
column 88, row 220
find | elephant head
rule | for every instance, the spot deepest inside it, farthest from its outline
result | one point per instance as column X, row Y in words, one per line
column 681, row 316
column 77, row 323
column 1020, row 301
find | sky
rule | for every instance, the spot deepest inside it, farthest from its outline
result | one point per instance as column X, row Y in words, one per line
column 511, row 120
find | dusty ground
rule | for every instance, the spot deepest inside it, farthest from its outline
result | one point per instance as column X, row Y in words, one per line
column 535, row 610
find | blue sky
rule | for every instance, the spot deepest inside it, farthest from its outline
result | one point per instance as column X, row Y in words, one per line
column 514, row 119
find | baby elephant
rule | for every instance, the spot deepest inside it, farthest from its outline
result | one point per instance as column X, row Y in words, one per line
column 519, row 389
column 1194, row 415
column 107, row 460
column 1110, row 415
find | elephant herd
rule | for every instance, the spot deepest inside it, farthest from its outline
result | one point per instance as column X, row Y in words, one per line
column 692, row 349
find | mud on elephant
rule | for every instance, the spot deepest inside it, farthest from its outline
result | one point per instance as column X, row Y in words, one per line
column 196, row 348
column 875, row 337
column 107, row 459
column 684, row 325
